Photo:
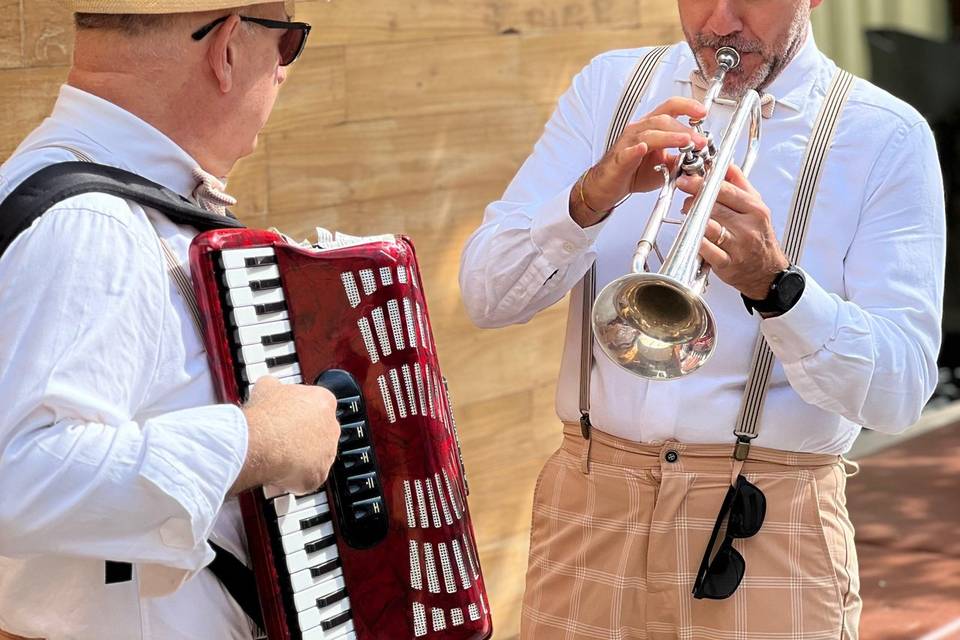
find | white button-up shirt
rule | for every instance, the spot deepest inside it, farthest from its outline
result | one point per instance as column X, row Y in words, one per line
column 860, row 346
column 112, row 445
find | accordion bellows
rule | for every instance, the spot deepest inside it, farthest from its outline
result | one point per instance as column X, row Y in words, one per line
column 387, row 549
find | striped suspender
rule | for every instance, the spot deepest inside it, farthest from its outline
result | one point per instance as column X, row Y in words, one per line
column 632, row 94
column 748, row 420
column 183, row 282
column 751, row 410
column 174, row 267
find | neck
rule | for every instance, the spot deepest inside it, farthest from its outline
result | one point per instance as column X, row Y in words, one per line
column 799, row 32
column 149, row 91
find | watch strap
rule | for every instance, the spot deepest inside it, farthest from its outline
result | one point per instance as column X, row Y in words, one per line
column 774, row 300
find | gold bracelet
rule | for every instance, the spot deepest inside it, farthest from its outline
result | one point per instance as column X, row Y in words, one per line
column 583, row 178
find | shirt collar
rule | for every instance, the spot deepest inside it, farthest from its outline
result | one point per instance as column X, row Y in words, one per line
column 792, row 88
column 127, row 141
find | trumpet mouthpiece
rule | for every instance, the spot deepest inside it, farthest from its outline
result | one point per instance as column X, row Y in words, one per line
column 728, row 58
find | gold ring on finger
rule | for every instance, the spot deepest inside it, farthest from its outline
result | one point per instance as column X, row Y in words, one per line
column 723, row 236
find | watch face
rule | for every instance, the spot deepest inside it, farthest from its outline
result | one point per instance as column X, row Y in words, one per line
column 789, row 288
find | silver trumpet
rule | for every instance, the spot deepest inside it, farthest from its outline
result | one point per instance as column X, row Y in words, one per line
column 657, row 325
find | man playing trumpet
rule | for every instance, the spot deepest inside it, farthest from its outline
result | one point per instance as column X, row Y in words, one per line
column 832, row 252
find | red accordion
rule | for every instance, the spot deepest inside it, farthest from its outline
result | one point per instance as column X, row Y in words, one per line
column 386, row 550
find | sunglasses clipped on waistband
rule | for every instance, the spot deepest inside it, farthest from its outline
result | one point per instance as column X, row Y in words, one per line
column 292, row 42
column 719, row 578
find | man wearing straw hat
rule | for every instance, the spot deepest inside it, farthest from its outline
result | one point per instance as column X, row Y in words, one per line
column 113, row 450
column 711, row 505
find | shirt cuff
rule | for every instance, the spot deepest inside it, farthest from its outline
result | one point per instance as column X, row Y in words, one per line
column 559, row 238
column 806, row 328
column 195, row 457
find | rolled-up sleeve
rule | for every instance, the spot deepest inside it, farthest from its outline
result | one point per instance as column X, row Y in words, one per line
column 871, row 356
column 528, row 252
column 83, row 471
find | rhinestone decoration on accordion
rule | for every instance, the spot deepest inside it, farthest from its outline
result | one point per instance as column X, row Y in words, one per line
column 428, row 498
column 394, row 321
column 448, row 564
column 402, row 324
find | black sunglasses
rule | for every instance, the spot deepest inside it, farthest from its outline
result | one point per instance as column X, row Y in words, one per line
column 747, row 507
column 292, row 42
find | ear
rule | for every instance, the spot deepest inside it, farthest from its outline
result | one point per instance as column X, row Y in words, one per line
column 221, row 55
column 815, row 3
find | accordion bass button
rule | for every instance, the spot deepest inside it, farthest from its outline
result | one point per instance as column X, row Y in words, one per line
column 353, row 435
column 365, row 485
column 357, row 460
column 367, row 509
column 348, row 408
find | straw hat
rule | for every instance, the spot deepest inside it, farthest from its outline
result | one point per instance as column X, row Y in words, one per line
column 162, row 6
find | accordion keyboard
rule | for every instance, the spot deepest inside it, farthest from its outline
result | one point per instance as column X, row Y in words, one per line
column 386, row 549
column 310, row 568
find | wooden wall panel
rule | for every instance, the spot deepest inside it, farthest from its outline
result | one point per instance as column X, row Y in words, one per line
column 11, row 51
column 409, row 116
column 47, row 34
column 26, row 97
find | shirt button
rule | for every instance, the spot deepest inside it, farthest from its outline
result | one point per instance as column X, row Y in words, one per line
column 568, row 247
column 671, row 456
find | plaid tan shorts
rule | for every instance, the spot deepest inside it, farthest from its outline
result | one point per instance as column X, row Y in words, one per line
column 614, row 552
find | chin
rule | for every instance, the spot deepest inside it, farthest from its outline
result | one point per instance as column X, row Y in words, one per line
column 249, row 148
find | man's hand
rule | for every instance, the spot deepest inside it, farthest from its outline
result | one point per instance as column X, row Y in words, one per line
column 748, row 257
column 628, row 167
column 293, row 437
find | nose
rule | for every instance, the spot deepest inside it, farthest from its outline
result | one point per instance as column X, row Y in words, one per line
column 724, row 20
column 282, row 73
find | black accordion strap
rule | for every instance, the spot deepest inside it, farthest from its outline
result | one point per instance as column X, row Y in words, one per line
column 58, row 182
column 64, row 180
column 239, row 581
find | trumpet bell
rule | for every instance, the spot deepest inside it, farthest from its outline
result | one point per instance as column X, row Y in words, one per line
column 654, row 326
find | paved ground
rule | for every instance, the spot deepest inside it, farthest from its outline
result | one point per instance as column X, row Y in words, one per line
column 905, row 505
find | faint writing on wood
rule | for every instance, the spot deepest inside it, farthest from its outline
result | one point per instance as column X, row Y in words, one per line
column 571, row 14
column 51, row 45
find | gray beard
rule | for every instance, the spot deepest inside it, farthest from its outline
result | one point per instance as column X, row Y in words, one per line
column 774, row 62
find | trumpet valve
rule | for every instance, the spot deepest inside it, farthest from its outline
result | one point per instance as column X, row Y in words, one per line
column 692, row 161
column 711, row 145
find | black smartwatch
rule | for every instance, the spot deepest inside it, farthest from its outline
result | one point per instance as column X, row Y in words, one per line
column 786, row 289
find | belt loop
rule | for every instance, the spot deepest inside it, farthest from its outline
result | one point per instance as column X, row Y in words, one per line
column 585, row 430
column 850, row 467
